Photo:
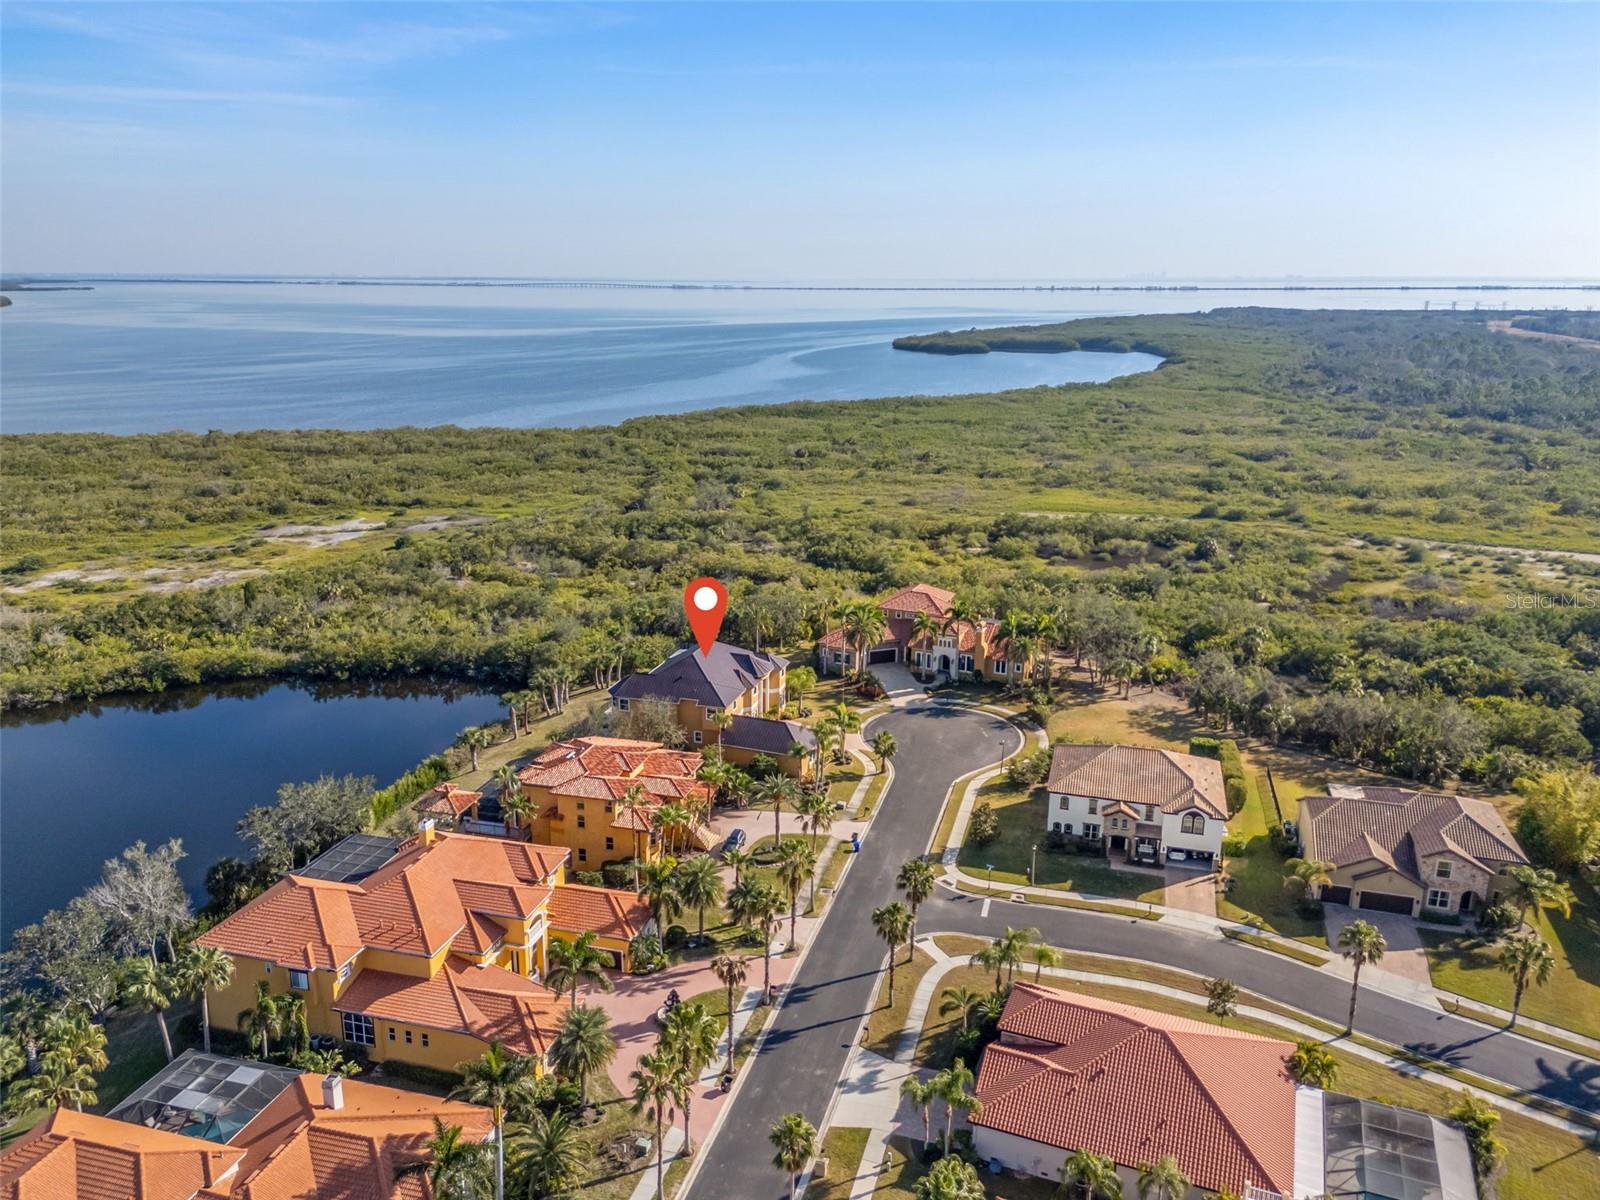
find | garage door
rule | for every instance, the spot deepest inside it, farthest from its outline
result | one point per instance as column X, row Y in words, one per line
column 1386, row 902
column 1335, row 895
column 882, row 656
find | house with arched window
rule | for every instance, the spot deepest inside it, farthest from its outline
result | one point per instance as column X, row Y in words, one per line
column 1146, row 805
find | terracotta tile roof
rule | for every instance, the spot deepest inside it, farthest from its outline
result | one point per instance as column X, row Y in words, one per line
column 79, row 1156
column 299, row 1149
column 604, row 768
column 834, row 639
column 1398, row 828
column 715, row 680
column 488, row 1003
column 920, row 597
column 417, row 903
column 1072, row 1071
column 1168, row 780
column 607, row 911
column 447, row 800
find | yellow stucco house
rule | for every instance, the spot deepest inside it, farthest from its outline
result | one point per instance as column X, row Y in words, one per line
column 958, row 649
column 427, row 957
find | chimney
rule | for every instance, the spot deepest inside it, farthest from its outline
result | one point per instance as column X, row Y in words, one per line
column 333, row 1091
column 425, row 829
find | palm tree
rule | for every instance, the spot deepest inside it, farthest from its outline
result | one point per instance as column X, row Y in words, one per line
column 202, row 970
column 1043, row 956
column 721, row 719
column 673, row 821
column 1010, row 949
column 1313, row 1064
column 845, row 721
column 925, row 630
column 493, row 1082
column 951, row 1085
column 658, row 1084
column 989, row 956
column 884, row 746
column 755, row 902
column 794, row 1140
column 796, row 862
column 1362, row 943
column 658, row 884
column 514, row 802
column 1537, row 887
column 1222, row 997
column 922, row 1093
column 453, row 1166
column 149, row 989
column 583, row 1045
column 513, row 703
column 73, row 1036
column 549, row 1153
column 916, row 879
column 737, row 858
column 1162, row 1180
column 699, row 885
column 864, row 625
column 826, row 731
column 1307, row 876
column 294, row 1017
column 893, row 923
column 782, row 791
column 264, row 1020
column 1527, row 959
column 474, row 739
column 731, row 972
column 816, row 814
column 570, row 963
column 59, row 1082
column 961, row 1000
column 1095, row 1174
column 690, row 1035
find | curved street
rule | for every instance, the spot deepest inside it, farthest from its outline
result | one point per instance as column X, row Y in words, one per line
column 810, row 1040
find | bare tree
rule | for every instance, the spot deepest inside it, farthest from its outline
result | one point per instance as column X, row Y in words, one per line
column 143, row 898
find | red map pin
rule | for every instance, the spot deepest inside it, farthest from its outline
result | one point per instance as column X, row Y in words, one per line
column 705, row 603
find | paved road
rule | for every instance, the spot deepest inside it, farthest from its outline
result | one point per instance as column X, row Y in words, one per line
column 1530, row 1066
column 808, row 1044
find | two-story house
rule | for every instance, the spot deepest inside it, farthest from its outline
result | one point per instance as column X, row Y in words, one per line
column 1144, row 804
column 427, row 957
column 956, row 649
column 743, row 685
column 1395, row 850
column 598, row 796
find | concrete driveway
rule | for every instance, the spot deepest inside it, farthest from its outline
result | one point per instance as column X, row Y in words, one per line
column 1404, row 957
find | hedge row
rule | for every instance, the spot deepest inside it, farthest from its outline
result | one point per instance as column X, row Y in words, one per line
column 1226, row 751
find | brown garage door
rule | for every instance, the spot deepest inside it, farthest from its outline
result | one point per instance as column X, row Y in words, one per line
column 1386, row 902
column 1335, row 895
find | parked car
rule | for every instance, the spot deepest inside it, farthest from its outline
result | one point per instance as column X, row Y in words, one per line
column 735, row 840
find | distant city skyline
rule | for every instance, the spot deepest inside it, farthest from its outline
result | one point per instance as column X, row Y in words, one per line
column 810, row 143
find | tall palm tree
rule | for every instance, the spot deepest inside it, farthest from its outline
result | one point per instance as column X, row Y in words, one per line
column 570, row 963
column 721, row 719
column 796, row 861
column 794, row 1141
column 264, row 1020
column 148, row 988
column 294, row 1017
column 816, row 814
column 475, row 739
column 916, row 879
column 673, row 820
column 1537, row 887
column 1527, row 959
column 1307, row 876
column 952, row 1086
column 514, row 802
column 493, row 1081
column 738, row 858
column 1010, row 950
column 731, row 972
column 201, row 970
column 1094, row 1173
column 453, row 1166
column 549, row 1154
column 583, row 1045
column 845, row 721
column 73, row 1036
column 925, row 630
column 756, row 903
column 690, row 1035
column 885, row 747
column 1313, row 1064
column 893, row 924
column 1162, row 1180
column 658, row 884
column 699, row 884
column 922, row 1093
column 1043, row 956
column 961, row 1000
column 658, row 1086
column 60, row 1082
column 864, row 626
column 1362, row 943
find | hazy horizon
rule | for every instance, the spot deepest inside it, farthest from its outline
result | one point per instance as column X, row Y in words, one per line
column 757, row 142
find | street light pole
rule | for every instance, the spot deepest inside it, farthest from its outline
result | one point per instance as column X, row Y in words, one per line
column 990, row 868
column 1033, row 863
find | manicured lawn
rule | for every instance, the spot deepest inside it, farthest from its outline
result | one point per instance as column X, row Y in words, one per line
column 874, row 793
column 1258, row 894
column 534, row 739
column 842, row 781
column 1571, row 999
column 1022, row 826
column 842, row 1147
column 886, row 1020
column 898, row 1181
column 613, row 1172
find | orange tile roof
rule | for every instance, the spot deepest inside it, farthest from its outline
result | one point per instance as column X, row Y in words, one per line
column 82, row 1156
column 299, row 1149
column 488, row 1003
column 1169, row 781
column 419, row 902
column 920, row 597
column 1073, row 1071
column 604, row 768
column 447, row 800
column 608, row 911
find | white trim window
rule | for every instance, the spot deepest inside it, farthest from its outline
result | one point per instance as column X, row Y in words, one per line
column 699, row 737
column 1091, row 830
column 1443, row 869
column 300, row 981
column 622, row 704
column 357, row 1028
column 1194, row 823
column 965, row 662
column 999, row 666
column 1438, row 898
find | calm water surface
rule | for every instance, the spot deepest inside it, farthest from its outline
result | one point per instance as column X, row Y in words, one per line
column 140, row 357
column 78, row 786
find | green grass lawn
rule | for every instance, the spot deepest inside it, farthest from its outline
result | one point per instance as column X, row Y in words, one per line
column 1022, row 826
column 887, row 1019
column 842, row 1147
column 874, row 793
column 1571, row 999
column 842, row 781
column 1258, row 894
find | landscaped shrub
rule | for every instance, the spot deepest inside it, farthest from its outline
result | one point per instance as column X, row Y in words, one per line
column 984, row 826
column 1497, row 919
column 618, row 874
column 676, row 936
column 589, row 878
column 1284, row 840
column 645, row 956
column 1028, row 769
column 430, row 1077
column 1440, row 918
column 430, row 772
column 1310, row 908
column 1234, row 845
column 1225, row 751
column 1057, row 842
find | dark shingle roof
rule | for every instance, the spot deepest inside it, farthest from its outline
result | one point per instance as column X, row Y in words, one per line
column 767, row 736
column 715, row 680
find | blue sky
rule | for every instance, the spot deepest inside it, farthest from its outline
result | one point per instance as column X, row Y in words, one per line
column 813, row 141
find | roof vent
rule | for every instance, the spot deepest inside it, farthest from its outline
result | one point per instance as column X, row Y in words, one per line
column 333, row 1091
